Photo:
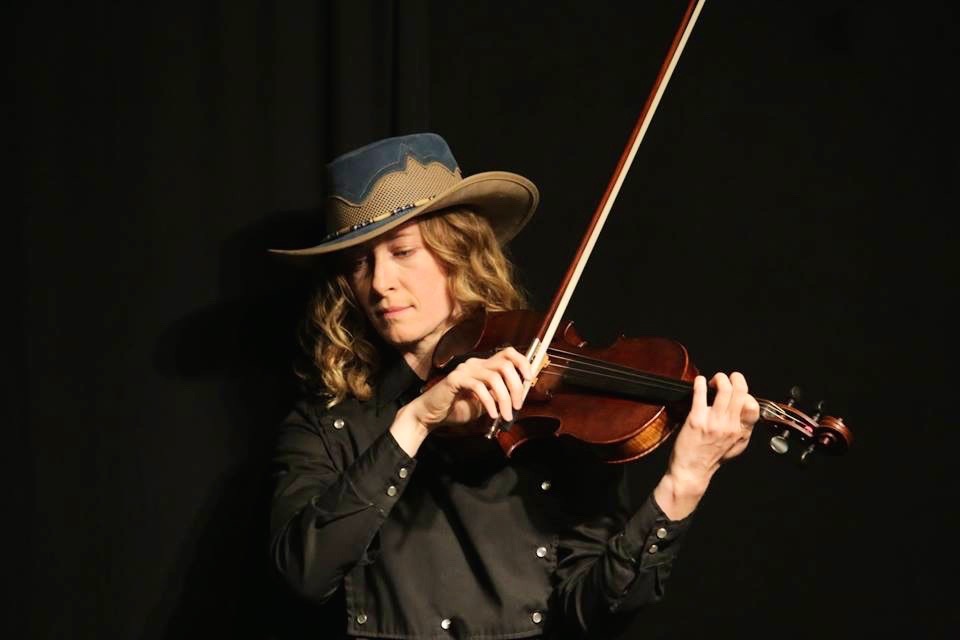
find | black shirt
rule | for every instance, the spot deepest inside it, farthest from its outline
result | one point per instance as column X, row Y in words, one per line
column 460, row 542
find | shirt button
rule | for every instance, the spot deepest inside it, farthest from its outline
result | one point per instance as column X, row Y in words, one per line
column 653, row 548
column 361, row 617
column 545, row 485
column 391, row 491
column 339, row 423
column 403, row 472
column 445, row 624
column 541, row 552
column 661, row 533
column 537, row 617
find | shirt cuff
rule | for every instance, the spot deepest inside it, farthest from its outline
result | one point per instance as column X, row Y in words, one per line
column 381, row 473
column 650, row 538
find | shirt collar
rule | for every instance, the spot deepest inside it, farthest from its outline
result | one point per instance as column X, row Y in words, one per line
column 397, row 379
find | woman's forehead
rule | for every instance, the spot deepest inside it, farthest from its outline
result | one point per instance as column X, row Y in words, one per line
column 409, row 228
column 405, row 230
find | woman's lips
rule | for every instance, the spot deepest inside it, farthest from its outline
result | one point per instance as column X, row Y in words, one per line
column 391, row 312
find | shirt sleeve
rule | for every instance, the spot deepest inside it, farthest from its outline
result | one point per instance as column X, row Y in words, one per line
column 327, row 505
column 611, row 566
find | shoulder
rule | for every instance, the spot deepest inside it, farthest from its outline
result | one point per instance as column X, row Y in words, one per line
column 338, row 433
column 312, row 412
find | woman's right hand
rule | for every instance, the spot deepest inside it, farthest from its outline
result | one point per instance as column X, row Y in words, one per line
column 477, row 386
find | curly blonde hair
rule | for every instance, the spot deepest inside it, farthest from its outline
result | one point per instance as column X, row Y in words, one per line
column 343, row 351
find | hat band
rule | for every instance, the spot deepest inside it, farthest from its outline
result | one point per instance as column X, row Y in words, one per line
column 392, row 194
column 360, row 225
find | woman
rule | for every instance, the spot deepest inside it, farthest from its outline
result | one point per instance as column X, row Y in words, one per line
column 430, row 536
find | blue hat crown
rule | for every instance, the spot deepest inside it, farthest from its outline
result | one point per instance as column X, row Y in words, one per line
column 353, row 175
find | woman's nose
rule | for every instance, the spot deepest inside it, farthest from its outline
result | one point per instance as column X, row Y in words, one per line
column 382, row 275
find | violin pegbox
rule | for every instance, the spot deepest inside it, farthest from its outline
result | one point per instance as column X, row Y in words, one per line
column 816, row 432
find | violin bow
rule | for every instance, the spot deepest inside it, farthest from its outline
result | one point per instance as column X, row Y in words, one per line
column 537, row 353
column 562, row 298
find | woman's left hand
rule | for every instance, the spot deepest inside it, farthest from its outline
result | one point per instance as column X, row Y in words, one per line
column 710, row 435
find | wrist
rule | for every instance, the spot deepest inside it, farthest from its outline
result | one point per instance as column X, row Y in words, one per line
column 408, row 430
column 678, row 494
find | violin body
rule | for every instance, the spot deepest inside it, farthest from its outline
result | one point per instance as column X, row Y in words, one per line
column 621, row 400
column 581, row 392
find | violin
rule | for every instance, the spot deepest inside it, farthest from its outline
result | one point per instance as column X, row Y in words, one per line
column 624, row 399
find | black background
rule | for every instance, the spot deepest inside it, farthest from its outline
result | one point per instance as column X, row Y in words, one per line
column 787, row 216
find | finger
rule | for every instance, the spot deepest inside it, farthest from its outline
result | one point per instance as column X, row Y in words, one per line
column 721, row 399
column 750, row 413
column 738, row 395
column 501, row 394
column 699, row 402
column 738, row 381
column 511, row 376
column 519, row 361
column 483, row 395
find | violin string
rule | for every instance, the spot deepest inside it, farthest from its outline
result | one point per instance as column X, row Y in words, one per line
column 651, row 383
column 773, row 407
column 635, row 375
column 626, row 376
column 654, row 382
column 557, row 369
column 654, row 386
column 625, row 373
column 603, row 363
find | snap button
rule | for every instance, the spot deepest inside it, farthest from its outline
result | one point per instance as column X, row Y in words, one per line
column 403, row 472
column 541, row 552
column 391, row 491
column 339, row 423
column 445, row 624
column 653, row 548
column 537, row 617
column 661, row 533
column 361, row 618
column 545, row 485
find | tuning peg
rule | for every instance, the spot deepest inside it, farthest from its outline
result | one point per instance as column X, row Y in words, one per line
column 779, row 443
column 816, row 416
column 795, row 394
column 807, row 453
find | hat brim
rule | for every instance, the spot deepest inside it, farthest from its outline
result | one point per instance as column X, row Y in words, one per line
column 505, row 199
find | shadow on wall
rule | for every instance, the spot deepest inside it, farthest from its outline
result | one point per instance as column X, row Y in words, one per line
column 249, row 329
column 221, row 585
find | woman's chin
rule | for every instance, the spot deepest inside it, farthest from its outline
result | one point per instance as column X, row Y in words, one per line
column 402, row 340
column 410, row 338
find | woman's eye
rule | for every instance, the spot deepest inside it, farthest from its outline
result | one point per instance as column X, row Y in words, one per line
column 402, row 253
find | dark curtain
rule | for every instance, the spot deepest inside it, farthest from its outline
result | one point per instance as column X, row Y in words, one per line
column 162, row 149
column 786, row 216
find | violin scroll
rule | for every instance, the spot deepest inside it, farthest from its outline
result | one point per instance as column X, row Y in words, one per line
column 817, row 432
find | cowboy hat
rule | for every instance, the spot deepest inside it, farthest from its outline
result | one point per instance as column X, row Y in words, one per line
column 382, row 185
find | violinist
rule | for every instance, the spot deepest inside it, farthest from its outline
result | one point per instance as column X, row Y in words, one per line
column 387, row 497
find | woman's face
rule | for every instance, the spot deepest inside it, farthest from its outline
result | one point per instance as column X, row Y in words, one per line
column 402, row 289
